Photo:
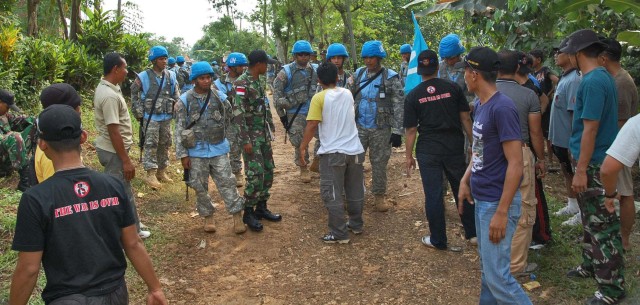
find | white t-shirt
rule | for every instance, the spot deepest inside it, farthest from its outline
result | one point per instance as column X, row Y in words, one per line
column 626, row 146
column 337, row 128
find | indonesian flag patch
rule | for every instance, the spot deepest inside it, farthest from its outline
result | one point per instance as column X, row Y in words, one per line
column 240, row 90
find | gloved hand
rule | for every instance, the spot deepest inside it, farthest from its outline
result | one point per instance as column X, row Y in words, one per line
column 285, row 121
column 396, row 140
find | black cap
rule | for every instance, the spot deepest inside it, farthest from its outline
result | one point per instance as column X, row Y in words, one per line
column 581, row 39
column 480, row 58
column 61, row 93
column 258, row 56
column 613, row 47
column 59, row 122
column 8, row 98
column 562, row 45
column 525, row 61
column 427, row 62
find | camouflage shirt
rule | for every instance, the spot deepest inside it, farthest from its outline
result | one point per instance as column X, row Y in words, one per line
column 250, row 111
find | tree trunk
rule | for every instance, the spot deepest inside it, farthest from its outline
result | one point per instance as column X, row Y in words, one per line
column 264, row 24
column 75, row 20
column 280, row 50
column 32, row 17
column 63, row 20
column 119, row 12
column 352, row 42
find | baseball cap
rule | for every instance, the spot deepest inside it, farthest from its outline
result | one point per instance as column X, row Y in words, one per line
column 524, row 61
column 427, row 62
column 59, row 122
column 8, row 98
column 480, row 58
column 61, row 93
column 258, row 56
column 581, row 39
column 613, row 47
column 562, row 44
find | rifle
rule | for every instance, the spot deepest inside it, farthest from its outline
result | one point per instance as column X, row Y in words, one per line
column 185, row 178
column 143, row 133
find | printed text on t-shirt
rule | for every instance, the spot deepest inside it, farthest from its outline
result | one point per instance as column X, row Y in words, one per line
column 84, row 206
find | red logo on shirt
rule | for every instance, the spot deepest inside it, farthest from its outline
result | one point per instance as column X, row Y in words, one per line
column 431, row 89
column 81, row 188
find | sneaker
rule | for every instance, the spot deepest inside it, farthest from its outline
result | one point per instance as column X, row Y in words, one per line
column 330, row 239
column 535, row 246
column 576, row 220
column 580, row 272
column 144, row 234
column 473, row 241
column 600, row 299
column 566, row 211
column 354, row 231
column 426, row 240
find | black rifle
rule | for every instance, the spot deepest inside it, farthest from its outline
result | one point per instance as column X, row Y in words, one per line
column 143, row 132
column 185, row 178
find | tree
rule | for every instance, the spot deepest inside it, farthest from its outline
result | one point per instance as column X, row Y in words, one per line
column 32, row 17
column 75, row 20
column 63, row 21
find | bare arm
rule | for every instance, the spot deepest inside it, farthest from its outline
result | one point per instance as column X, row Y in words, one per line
column 410, row 133
column 24, row 277
column 537, row 140
column 544, row 103
column 609, row 171
column 137, row 254
column 309, row 132
column 513, row 154
column 587, row 145
column 128, row 168
column 465, row 118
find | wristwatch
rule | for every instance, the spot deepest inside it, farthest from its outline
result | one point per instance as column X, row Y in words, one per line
column 611, row 196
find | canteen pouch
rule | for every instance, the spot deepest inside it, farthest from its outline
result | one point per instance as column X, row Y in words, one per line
column 188, row 138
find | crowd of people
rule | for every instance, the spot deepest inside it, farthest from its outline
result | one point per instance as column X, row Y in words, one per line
column 488, row 123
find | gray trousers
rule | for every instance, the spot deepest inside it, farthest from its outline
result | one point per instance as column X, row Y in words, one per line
column 219, row 169
column 113, row 166
column 342, row 174
column 376, row 140
column 120, row 296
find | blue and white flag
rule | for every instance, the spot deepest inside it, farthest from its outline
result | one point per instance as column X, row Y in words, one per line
column 419, row 45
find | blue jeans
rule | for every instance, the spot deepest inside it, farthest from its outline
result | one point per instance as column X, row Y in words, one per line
column 498, row 285
column 431, row 168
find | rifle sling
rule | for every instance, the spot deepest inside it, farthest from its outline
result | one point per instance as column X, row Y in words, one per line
column 153, row 107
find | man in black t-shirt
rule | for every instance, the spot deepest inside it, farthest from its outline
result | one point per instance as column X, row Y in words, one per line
column 438, row 110
column 76, row 224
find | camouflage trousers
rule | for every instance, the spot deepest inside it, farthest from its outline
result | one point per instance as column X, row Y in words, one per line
column 220, row 171
column 235, row 154
column 258, row 172
column 376, row 140
column 602, row 232
column 156, row 145
column 296, row 132
column 13, row 153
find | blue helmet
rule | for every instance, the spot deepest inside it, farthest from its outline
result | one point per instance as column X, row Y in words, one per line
column 405, row 48
column 336, row 49
column 450, row 46
column 302, row 46
column 179, row 59
column 200, row 68
column 156, row 52
column 236, row 59
column 373, row 48
column 172, row 60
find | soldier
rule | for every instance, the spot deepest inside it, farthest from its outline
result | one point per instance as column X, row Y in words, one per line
column 256, row 133
column 337, row 54
column 153, row 95
column 16, row 140
column 237, row 63
column 405, row 52
column 182, row 74
column 314, row 57
column 172, row 65
column 216, row 69
column 293, row 88
column 201, row 120
column 379, row 98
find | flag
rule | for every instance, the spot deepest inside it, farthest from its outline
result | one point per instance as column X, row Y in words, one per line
column 419, row 45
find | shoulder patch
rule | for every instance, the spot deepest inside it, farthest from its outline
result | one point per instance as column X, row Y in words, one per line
column 240, row 90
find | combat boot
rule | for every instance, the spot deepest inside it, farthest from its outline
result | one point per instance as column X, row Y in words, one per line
column 239, row 179
column 209, row 224
column 238, row 225
column 151, row 179
column 162, row 176
column 249, row 218
column 25, row 179
column 380, row 203
column 315, row 165
column 304, row 174
column 263, row 213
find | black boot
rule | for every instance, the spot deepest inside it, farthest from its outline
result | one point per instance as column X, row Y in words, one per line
column 250, row 219
column 263, row 213
column 25, row 180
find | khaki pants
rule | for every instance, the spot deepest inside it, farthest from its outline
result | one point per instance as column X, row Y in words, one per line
column 522, row 236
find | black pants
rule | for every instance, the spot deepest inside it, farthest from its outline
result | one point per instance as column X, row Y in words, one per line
column 120, row 296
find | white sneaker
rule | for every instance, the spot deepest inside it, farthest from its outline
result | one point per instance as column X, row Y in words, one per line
column 144, row 234
column 573, row 221
column 473, row 241
column 566, row 211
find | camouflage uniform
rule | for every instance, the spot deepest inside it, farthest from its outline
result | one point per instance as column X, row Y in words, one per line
column 17, row 140
column 182, row 75
column 235, row 154
column 209, row 156
column 253, row 117
column 387, row 119
column 602, row 233
column 287, row 97
column 344, row 80
column 158, row 136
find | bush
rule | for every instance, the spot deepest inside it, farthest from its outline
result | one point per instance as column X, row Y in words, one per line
column 82, row 70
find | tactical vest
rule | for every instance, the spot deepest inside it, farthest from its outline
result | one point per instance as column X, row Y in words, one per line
column 165, row 102
column 300, row 86
column 375, row 93
column 210, row 128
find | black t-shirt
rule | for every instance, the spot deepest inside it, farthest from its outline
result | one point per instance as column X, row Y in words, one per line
column 434, row 107
column 543, row 77
column 76, row 218
column 529, row 84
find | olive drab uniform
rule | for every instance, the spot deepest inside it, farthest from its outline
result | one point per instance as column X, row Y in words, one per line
column 379, row 111
column 17, row 140
column 182, row 75
column 158, row 137
column 225, row 88
column 253, row 116
column 208, row 150
column 292, row 87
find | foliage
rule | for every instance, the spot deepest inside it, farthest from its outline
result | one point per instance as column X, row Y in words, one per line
column 175, row 47
column 102, row 33
column 222, row 36
column 81, row 67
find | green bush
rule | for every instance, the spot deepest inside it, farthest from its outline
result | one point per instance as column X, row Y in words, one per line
column 102, row 33
column 82, row 70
